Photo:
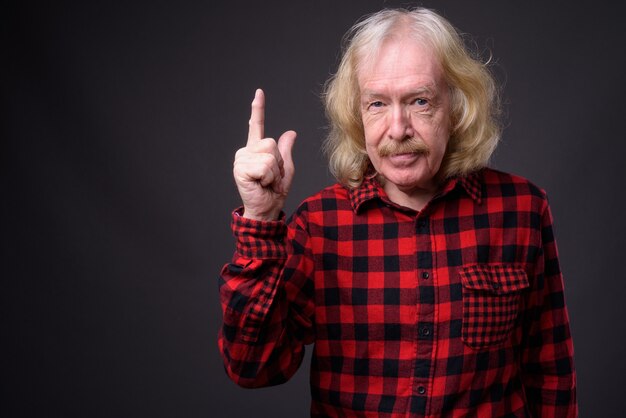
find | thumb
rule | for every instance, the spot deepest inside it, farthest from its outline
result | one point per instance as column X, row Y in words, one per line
column 285, row 146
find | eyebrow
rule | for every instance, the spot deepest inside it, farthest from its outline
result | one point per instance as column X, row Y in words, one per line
column 420, row 90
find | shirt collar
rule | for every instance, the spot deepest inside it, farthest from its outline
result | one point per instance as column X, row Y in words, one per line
column 371, row 189
column 470, row 183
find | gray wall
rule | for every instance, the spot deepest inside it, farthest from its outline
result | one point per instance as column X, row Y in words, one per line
column 119, row 125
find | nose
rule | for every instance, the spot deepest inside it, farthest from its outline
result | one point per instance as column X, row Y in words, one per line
column 400, row 124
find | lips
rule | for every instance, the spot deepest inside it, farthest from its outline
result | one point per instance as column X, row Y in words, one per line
column 404, row 158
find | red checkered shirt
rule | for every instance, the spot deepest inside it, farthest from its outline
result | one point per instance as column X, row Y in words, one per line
column 453, row 311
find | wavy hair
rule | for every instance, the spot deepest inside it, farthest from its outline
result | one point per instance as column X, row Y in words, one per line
column 475, row 130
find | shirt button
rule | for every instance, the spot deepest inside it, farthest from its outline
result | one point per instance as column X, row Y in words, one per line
column 425, row 331
column 425, row 275
column 421, row 390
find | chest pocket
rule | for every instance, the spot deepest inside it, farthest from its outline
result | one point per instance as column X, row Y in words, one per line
column 491, row 303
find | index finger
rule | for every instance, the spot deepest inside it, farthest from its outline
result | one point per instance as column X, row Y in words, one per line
column 257, row 117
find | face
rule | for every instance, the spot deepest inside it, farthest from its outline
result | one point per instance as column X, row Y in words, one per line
column 405, row 106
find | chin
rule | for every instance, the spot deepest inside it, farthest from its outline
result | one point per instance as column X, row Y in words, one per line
column 406, row 177
column 409, row 181
column 403, row 182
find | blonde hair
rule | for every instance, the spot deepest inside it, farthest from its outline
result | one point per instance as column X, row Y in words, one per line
column 475, row 130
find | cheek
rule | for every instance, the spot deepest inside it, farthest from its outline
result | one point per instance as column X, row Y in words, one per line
column 439, row 133
column 372, row 153
column 372, row 139
column 368, row 132
column 438, row 152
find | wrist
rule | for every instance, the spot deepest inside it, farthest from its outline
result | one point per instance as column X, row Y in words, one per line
column 271, row 216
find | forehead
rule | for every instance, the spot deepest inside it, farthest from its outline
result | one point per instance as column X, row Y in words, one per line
column 400, row 62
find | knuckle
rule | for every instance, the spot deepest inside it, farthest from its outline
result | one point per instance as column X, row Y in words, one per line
column 240, row 153
column 268, row 162
column 265, row 145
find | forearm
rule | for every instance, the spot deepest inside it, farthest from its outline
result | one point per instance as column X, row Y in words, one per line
column 256, row 341
column 262, row 339
column 548, row 364
column 548, row 356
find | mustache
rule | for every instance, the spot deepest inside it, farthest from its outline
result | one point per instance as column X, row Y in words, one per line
column 408, row 146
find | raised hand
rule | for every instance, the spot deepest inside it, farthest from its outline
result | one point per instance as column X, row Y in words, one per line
column 263, row 169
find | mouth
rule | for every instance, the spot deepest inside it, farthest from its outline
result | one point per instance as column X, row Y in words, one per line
column 404, row 157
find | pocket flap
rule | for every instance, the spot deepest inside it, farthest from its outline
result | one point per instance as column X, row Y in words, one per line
column 498, row 279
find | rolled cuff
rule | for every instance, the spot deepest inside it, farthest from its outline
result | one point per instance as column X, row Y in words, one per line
column 259, row 239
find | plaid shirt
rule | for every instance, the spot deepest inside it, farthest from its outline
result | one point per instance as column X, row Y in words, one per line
column 453, row 311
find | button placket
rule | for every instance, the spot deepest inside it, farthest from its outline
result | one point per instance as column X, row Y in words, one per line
column 424, row 326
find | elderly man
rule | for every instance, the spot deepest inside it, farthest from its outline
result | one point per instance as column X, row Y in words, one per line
column 428, row 283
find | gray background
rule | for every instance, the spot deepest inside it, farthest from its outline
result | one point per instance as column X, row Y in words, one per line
column 119, row 125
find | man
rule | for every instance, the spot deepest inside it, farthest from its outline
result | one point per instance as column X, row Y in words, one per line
column 428, row 283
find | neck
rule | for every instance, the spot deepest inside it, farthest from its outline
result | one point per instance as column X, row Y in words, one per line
column 415, row 198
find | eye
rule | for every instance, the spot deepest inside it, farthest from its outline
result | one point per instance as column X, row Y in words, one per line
column 376, row 104
column 421, row 102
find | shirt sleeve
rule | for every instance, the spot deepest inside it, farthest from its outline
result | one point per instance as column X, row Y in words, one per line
column 547, row 357
column 266, row 297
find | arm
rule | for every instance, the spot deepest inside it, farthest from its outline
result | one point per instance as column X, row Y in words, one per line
column 265, row 307
column 547, row 357
column 267, row 303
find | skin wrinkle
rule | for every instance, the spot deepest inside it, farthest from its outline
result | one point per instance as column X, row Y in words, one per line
column 405, row 108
